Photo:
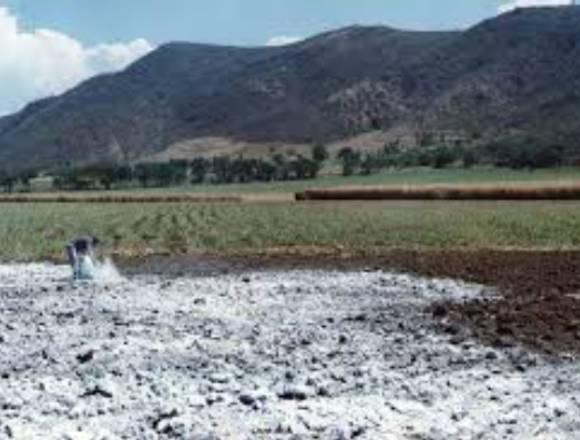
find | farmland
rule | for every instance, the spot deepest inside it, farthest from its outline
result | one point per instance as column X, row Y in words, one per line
column 329, row 179
column 268, row 218
column 36, row 231
column 413, row 176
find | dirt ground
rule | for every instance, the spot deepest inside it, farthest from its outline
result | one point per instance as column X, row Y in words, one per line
column 218, row 350
column 538, row 305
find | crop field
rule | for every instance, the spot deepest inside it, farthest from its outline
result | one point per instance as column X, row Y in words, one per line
column 31, row 231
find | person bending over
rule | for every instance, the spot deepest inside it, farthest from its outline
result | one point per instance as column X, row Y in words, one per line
column 81, row 253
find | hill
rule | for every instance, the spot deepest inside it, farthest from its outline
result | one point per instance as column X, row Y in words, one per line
column 517, row 75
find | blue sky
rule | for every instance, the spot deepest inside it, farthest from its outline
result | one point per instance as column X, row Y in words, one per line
column 247, row 22
column 49, row 46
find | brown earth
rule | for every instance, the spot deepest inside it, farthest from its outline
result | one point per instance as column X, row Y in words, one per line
column 538, row 301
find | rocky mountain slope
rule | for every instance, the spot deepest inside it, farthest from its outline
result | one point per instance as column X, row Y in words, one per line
column 514, row 75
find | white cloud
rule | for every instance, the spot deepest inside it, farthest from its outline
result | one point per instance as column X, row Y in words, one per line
column 108, row 57
column 283, row 40
column 43, row 62
column 514, row 4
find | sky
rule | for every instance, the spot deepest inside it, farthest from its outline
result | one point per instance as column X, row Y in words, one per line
column 48, row 46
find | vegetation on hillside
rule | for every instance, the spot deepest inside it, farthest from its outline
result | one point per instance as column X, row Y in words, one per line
column 529, row 154
column 514, row 75
column 241, row 171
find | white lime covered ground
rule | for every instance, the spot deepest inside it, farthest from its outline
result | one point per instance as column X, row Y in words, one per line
column 264, row 355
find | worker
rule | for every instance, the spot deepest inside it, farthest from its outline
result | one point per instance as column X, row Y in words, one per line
column 81, row 256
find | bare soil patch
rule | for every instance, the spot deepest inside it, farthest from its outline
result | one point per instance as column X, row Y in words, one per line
column 538, row 302
column 292, row 354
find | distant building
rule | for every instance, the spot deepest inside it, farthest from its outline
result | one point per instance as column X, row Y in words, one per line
column 517, row 4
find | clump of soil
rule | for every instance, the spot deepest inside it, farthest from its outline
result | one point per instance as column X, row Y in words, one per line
column 538, row 303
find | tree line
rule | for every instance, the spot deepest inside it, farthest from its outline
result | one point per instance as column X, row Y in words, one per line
column 527, row 154
column 199, row 170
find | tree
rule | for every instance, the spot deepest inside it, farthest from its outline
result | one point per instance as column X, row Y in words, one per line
column 266, row 171
column 547, row 156
column 392, row 148
column 469, row 157
column 282, row 167
column 199, row 167
column 25, row 180
column 143, row 174
column 442, row 157
column 350, row 160
column 297, row 169
column 123, row 174
column 311, row 167
column 344, row 152
column 319, row 153
column 179, row 170
column 370, row 163
column 222, row 169
column 8, row 182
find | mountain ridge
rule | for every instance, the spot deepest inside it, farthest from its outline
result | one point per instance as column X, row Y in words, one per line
column 516, row 75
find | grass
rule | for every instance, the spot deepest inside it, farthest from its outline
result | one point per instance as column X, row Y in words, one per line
column 39, row 231
column 412, row 176
column 102, row 197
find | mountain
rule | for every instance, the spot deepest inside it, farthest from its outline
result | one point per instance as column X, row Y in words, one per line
column 516, row 75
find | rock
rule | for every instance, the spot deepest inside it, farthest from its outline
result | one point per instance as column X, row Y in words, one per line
column 85, row 357
column 451, row 329
column 338, row 432
column 457, row 339
column 220, row 378
column 97, row 391
column 175, row 427
column 196, row 401
column 322, row 391
column 214, row 398
column 491, row 355
column 357, row 431
column 204, row 436
column 293, row 392
column 163, row 415
column 439, row 311
column 255, row 398
column 361, row 317
column 247, row 399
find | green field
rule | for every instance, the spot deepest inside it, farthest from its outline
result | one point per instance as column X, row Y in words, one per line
column 396, row 177
column 39, row 231
column 389, row 177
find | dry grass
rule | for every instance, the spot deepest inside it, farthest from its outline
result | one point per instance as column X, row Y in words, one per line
column 101, row 197
column 561, row 191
